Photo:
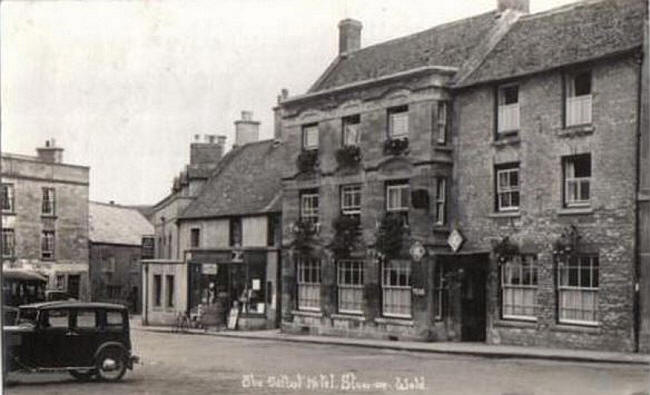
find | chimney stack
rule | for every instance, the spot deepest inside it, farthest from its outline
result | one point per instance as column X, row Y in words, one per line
column 246, row 130
column 349, row 36
column 208, row 152
column 50, row 153
column 515, row 5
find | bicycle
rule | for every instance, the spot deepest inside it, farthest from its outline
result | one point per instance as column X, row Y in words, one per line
column 182, row 323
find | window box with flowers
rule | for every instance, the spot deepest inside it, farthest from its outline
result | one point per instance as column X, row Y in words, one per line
column 348, row 156
column 303, row 233
column 307, row 161
column 391, row 235
column 346, row 235
column 396, row 146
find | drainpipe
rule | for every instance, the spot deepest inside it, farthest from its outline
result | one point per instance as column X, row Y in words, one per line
column 637, row 227
column 145, row 309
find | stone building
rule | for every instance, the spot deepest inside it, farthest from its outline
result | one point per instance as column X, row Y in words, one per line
column 116, row 233
column 497, row 169
column 45, row 218
column 167, row 259
column 228, row 250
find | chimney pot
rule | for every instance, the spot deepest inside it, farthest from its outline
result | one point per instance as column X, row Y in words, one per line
column 221, row 140
column 349, row 35
column 50, row 153
column 246, row 129
column 516, row 5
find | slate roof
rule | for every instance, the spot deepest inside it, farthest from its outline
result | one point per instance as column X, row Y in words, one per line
column 114, row 224
column 246, row 181
column 444, row 45
column 566, row 35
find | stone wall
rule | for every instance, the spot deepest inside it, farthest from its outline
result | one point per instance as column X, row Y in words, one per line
column 607, row 226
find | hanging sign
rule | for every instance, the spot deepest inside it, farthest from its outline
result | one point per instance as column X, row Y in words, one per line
column 455, row 240
column 417, row 251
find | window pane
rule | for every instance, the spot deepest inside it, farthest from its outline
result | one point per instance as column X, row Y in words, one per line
column 510, row 95
column 583, row 84
column 86, row 319
column 398, row 124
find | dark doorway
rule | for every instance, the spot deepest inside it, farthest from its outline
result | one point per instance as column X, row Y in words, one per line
column 473, row 304
column 73, row 285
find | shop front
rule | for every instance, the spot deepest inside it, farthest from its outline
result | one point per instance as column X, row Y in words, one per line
column 233, row 289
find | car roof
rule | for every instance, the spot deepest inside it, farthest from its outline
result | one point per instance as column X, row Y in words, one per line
column 73, row 304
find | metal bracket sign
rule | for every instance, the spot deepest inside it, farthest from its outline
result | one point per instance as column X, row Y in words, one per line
column 417, row 251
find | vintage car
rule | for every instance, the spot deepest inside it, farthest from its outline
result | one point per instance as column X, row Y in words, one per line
column 88, row 340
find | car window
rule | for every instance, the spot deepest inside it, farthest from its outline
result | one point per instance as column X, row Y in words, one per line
column 57, row 319
column 113, row 319
column 86, row 319
column 27, row 317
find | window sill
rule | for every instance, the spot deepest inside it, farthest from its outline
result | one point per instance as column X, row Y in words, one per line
column 576, row 130
column 349, row 317
column 307, row 313
column 395, row 321
column 583, row 327
column 516, row 323
column 440, row 228
column 506, row 214
column 51, row 216
column 48, row 259
column 506, row 139
column 8, row 213
column 443, row 147
column 575, row 211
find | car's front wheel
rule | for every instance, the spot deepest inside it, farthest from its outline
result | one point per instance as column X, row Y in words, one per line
column 83, row 375
column 111, row 364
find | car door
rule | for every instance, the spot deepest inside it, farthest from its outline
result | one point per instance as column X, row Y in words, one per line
column 49, row 339
column 81, row 339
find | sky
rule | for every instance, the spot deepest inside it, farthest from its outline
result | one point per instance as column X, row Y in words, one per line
column 123, row 86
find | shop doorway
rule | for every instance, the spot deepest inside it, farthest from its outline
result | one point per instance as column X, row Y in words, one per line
column 473, row 305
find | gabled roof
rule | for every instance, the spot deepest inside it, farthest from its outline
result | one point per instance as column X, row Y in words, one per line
column 113, row 224
column 444, row 45
column 567, row 35
column 247, row 181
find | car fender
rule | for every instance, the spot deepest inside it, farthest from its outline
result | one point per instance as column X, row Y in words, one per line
column 111, row 344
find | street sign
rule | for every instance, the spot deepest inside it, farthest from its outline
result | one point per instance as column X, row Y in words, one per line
column 455, row 240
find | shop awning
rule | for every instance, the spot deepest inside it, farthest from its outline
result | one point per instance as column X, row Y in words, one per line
column 23, row 275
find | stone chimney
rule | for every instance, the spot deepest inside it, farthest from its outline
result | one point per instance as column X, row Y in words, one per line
column 50, row 153
column 246, row 130
column 515, row 5
column 207, row 152
column 277, row 115
column 349, row 36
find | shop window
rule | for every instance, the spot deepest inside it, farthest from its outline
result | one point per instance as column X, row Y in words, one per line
column 396, row 288
column 157, row 290
column 195, row 237
column 351, row 200
column 48, row 204
column 398, row 123
column 8, row 243
column 309, row 205
column 577, row 180
column 578, row 283
column 508, row 110
column 310, row 137
column 7, row 198
column 169, row 287
column 578, row 99
column 519, row 287
column 255, row 288
column 350, row 286
column 351, row 130
column 47, row 245
column 507, row 188
column 308, row 278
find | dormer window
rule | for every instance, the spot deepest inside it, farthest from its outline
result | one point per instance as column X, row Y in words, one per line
column 508, row 110
column 578, row 98
column 398, row 123
column 351, row 130
column 442, row 126
column 310, row 137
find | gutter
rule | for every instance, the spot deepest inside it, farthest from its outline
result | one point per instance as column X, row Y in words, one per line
column 420, row 70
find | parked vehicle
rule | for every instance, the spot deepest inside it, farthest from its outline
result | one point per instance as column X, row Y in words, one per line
column 52, row 295
column 88, row 340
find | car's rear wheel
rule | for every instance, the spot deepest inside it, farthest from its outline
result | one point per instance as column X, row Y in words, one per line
column 111, row 364
column 83, row 375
